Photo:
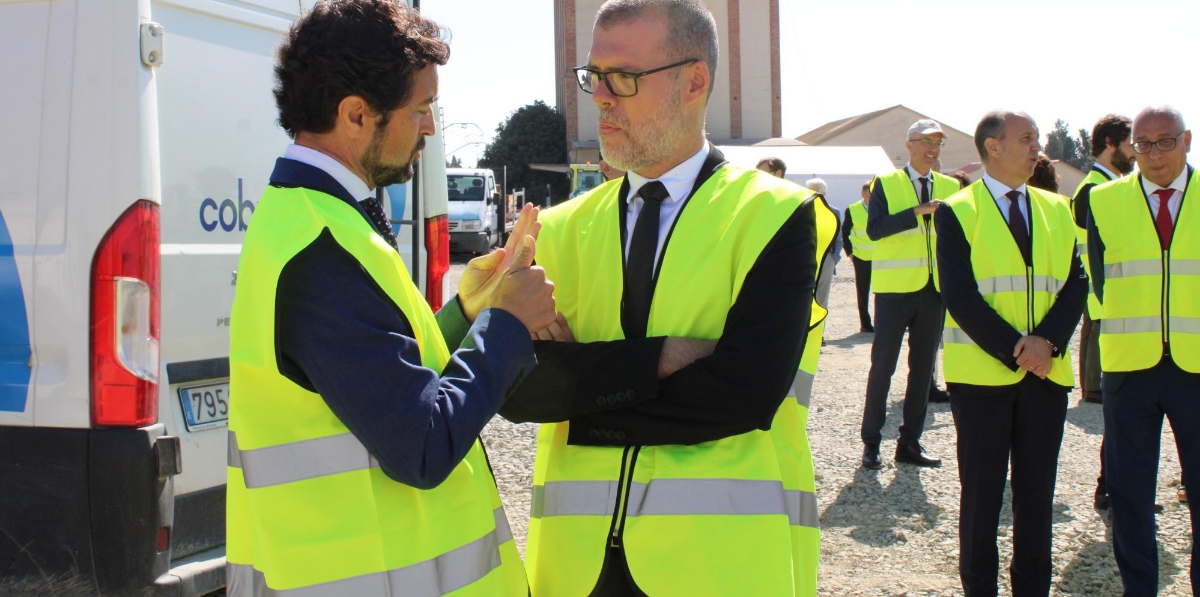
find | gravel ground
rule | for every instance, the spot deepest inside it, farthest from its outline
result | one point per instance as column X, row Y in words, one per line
column 894, row 532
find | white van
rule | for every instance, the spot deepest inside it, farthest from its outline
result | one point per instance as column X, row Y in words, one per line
column 137, row 139
column 473, row 200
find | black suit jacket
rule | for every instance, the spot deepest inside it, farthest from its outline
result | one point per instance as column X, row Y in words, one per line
column 610, row 391
column 991, row 332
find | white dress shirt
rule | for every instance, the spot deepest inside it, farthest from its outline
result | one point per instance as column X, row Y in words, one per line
column 1000, row 194
column 679, row 182
column 1109, row 173
column 349, row 180
column 915, row 177
column 1176, row 200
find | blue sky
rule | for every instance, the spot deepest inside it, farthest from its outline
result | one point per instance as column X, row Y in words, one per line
column 951, row 59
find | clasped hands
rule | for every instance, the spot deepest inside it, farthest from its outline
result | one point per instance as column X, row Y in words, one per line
column 1034, row 354
column 507, row 279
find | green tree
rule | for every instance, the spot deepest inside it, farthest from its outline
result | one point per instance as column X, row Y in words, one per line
column 454, row 162
column 1085, row 147
column 1061, row 145
column 533, row 134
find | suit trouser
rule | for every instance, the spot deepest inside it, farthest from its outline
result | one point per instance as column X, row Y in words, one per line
column 1134, row 406
column 1023, row 422
column 862, row 285
column 1089, row 354
column 922, row 314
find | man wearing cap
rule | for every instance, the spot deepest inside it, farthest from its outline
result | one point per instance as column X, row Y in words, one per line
column 906, row 299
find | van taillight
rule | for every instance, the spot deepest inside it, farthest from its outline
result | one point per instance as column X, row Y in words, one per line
column 437, row 246
column 124, row 321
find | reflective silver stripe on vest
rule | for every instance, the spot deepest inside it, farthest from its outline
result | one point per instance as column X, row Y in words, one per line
column 956, row 336
column 917, row 262
column 297, row 461
column 1185, row 267
column 438, row 576
column 802, row 509
column 1019, row 284
column 802, row 387
column 1130, row 325
column 234, row 456
column 574, row 498
column 1185, row 325
column 1128, row 269
column 677, row 497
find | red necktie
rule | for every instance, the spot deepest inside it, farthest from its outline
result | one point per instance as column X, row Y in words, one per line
column 1163, row 219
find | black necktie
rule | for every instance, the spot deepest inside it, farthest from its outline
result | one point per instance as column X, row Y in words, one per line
column 925, row 194
column 380, row 219
column 639, row 267
column 1016, row 225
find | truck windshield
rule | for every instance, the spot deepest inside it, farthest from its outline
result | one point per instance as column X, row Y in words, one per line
column 461, row 187
column 587, row 180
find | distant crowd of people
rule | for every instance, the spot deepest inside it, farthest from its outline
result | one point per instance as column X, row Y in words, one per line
column 1009, row 405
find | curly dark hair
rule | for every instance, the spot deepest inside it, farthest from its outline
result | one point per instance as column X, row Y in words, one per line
column 1044, row 177
column 964, row 181
column 773, row 165
column 1113, row 128
column 368, row 48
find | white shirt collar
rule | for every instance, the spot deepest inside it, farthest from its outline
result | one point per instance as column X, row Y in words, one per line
column 678, row 180
column 914, row 175
column 349, row 181
column 1000, row 190
column 1109, row 173
column 1179, row 184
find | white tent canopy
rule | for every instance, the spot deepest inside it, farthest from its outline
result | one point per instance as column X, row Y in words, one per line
column 844, row 169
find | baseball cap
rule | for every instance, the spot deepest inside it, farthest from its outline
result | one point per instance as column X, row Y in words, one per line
column 925, row 127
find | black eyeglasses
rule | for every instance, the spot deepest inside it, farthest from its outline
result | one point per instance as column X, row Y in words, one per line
column 621, row 84
column 1163, row 145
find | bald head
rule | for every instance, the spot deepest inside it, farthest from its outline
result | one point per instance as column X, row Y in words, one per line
column 1167, row 113
column 1161, row 143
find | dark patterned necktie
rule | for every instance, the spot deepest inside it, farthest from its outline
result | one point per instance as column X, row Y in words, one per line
column 375, row 210
column 925, row 195
column 639, row 268
column 1016, row 225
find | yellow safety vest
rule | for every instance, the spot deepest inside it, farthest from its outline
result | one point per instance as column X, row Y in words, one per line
column 1020, row 294
column 791, row 431
column 307, row 505
column 861, row 245
column 1143, row 308
column 905, row 261
column 1093, row 178
column 717, row 518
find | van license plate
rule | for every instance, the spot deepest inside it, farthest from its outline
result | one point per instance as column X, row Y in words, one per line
column 205, row 406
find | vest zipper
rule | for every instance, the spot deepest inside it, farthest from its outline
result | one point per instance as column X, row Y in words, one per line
column 929, row 247
column 623, row 484
column 1166, row 296
column 1029, row 299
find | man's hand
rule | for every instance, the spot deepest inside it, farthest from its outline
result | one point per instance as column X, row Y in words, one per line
column 524, row 291
column 678, row 353
column 927, row 208
column 558, row 331
column 484, row 273
column 1034, row 354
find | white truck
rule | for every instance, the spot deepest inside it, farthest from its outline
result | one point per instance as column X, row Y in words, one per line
column 135, row 140
column 473, row 204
